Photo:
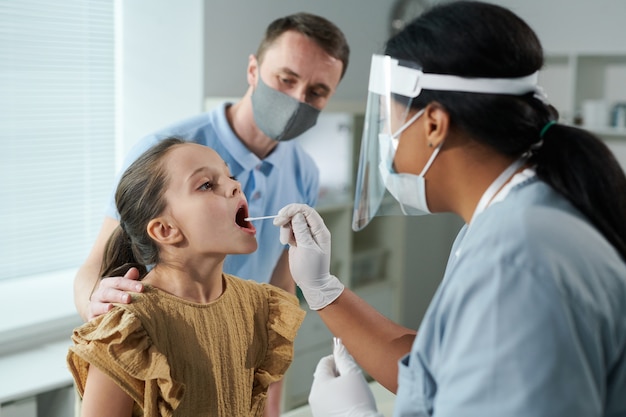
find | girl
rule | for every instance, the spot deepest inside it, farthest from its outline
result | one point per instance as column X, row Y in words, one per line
column 196, row 341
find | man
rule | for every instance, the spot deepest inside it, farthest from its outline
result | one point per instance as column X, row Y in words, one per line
column 295, row 71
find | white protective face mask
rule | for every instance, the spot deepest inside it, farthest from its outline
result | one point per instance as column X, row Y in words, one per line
column 408, row 189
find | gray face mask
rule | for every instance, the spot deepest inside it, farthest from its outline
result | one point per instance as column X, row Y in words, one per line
column 279, row 116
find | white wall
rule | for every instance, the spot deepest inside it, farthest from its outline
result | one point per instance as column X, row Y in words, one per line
column 161, row 64
column 574, row 25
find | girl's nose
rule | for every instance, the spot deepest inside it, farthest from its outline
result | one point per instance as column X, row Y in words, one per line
column 235, row 188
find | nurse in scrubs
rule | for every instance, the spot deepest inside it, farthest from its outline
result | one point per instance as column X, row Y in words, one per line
column 530, row 317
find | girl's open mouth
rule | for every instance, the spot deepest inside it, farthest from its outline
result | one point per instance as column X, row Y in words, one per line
column 240, row 217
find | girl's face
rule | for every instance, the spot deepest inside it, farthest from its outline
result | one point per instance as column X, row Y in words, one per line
column 206, row 203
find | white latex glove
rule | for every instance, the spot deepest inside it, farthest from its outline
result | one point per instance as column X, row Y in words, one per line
column 309, row 254
column 339, row 388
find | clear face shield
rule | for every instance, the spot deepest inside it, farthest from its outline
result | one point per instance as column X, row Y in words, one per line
column 393, row 86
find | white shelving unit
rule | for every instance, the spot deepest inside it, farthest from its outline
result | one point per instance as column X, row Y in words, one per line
column 572, row 79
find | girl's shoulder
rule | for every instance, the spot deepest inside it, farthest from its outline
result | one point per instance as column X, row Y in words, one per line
column 118, row 343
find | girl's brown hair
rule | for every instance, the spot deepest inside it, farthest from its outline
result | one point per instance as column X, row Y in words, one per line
column 139, row 198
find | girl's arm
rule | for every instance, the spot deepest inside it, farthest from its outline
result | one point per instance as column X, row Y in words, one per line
column 103, row 396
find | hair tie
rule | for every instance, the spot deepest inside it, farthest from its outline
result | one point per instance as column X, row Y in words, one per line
column 545, row 128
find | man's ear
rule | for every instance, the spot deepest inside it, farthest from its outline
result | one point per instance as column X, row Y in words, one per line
column 436, row 123
column 163, row 232
column 253, row 70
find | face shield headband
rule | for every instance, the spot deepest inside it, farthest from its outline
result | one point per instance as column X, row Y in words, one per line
column 392, row 88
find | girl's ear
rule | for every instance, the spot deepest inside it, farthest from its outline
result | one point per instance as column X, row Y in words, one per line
column 163, row 232
column 436, row 123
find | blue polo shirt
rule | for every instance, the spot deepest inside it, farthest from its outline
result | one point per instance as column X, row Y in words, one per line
column 287, row 175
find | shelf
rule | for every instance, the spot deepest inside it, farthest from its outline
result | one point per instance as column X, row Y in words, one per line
column 575, row 82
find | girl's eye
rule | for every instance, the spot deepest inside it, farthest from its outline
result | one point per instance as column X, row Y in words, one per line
column 232, row 177
column 206, row 186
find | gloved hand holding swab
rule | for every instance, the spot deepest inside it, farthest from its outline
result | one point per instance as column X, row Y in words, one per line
column 309, row 254
column 339, row 387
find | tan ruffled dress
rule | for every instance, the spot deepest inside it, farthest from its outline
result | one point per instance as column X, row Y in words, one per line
column 178, row 358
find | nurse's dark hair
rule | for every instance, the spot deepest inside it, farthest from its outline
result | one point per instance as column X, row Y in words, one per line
column 139, row 198
column 475, row 39
column 321, row 30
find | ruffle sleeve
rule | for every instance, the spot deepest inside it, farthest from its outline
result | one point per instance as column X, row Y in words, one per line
column 118, row 345
column 284, row 320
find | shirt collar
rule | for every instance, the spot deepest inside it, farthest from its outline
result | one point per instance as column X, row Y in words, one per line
column 241, row 155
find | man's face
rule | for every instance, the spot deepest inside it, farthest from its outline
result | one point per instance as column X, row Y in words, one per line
column 297, row 66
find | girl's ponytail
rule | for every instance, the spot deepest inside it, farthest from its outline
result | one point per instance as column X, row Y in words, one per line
column 119, row 256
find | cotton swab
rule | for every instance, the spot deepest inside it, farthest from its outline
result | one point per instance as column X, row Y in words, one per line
column 249, row 219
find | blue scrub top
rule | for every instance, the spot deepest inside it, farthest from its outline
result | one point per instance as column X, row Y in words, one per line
column 287, row 175
column 529, row 320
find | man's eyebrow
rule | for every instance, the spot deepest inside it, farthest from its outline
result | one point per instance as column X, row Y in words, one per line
column 290, row 72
